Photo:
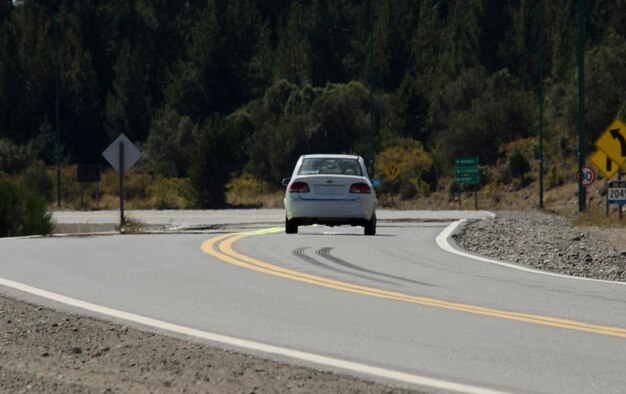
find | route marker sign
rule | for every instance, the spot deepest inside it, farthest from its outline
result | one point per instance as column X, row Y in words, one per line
column 466, row 170
column 617, row 192
column 392, row 171
column 604, row 163
column 613, row 141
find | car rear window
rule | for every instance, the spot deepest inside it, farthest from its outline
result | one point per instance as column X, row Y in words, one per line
column 320, row 165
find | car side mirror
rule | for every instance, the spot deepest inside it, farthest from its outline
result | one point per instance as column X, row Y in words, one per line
column 286, row 181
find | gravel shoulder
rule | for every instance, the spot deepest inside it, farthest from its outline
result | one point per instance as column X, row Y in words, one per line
column 549, row 243
column 44, row 351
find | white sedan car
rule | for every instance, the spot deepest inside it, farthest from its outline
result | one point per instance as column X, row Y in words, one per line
column 330, row 190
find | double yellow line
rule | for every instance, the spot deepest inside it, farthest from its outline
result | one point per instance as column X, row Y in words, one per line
column 221, row 247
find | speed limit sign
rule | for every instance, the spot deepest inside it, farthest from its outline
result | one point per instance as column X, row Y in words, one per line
column 589, row 176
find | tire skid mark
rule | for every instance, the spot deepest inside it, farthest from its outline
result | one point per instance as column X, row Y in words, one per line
column 299, row 252
column 326, row 253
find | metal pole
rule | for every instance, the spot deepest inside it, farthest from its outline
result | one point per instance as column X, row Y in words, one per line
column 581, row 104
column 607, row 201
column 98, row 189
column 620, row 206
column 541, row 99
column 57, row 140
column 121, row 185
column 371, row 83
column 476, row 197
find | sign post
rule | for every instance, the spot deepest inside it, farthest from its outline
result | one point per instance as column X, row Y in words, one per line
column 392, row 171
column 87, row 173
column 467, row 172
column 122, row 155
column 611, row 155
column 617, row 194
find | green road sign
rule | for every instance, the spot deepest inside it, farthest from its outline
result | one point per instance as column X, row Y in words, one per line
column 466, row 170
column 469, row 179
column 466, row 161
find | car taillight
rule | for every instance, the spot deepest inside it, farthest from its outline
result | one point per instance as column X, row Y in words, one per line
column 361, row 188
column 299, row 187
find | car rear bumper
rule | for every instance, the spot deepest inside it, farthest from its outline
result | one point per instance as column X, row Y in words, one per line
column 329, row 211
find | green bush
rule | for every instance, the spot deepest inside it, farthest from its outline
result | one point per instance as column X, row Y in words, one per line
column 22, row 211
column 478, row 113
column 518, row 164
column 171, row 142
column 417, row 169
column 13, row 158
column 36, row 178
column 555, row 178
column 215, row 157
column 170, row 193
column 333, row 119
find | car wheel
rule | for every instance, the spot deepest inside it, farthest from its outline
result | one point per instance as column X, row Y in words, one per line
column 290, row 227
column 370, row 226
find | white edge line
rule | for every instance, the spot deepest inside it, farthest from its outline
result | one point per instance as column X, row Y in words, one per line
column 443, row 242
column 250, row 345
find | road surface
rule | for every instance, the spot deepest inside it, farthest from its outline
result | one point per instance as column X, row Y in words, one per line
column 395, row 306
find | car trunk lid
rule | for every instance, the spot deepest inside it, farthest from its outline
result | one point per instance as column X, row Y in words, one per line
column 330, row 188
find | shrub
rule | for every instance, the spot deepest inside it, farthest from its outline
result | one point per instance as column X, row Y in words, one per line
column 417, row 172
column 216, row 155
column 518, row 164
column 13, row 158
column 43, row 145
column 136, row 183
column 277, row 95
column 170, row 143
column 555, row 178
column 22, row 211
column 333, row 119
column 476, row 114
column 247, row 190
column 170, row 193
column 36, row 178
column 408, row 190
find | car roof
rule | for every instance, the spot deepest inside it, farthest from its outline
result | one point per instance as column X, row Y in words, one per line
column 330, row 156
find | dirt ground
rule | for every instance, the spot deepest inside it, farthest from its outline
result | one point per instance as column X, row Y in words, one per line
column 42, row 351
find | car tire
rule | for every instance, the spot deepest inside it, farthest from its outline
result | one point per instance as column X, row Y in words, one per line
column 370, row 226
column 290, row 227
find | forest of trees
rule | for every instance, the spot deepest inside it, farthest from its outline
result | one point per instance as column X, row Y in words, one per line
column 214, row 89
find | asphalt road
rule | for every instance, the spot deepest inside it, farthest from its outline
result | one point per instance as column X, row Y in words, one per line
column 395, row 303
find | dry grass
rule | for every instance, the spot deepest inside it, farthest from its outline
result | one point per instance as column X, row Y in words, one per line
column 561, row 200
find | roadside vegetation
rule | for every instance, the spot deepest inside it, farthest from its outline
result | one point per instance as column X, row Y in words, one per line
column 223, row 96
column 23, row 211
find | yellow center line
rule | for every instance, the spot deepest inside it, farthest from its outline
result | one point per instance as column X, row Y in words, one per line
column 221, row 247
